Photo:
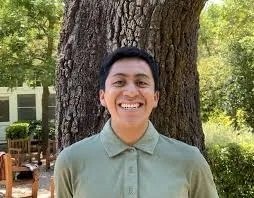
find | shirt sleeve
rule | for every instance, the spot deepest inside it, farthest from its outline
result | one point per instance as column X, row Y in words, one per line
column 201, row 182
column 62, row 177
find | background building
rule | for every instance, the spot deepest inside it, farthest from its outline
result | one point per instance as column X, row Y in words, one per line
column 22, row 103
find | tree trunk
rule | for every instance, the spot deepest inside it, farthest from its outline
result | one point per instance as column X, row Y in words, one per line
column 92, row 29
column 45, row 122
column 45, row 84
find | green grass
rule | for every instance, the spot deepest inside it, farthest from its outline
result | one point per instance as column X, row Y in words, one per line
column 220, row 134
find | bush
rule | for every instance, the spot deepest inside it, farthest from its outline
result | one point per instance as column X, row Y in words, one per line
column 17, row 131
column 35, row 128
column 220, row 134
column 232, row 165
column 24, row 129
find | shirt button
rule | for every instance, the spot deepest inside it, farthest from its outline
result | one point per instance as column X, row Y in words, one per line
column 131, row 191
column 131, row 169
column 130, row 150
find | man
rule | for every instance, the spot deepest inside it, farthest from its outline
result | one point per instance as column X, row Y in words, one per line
column 129, row 158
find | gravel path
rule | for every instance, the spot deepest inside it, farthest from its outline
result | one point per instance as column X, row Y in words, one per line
column 25, row 190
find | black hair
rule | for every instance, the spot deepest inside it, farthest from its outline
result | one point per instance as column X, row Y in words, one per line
column 128, row 52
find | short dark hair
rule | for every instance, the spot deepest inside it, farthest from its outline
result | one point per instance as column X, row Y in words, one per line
column 128, row 52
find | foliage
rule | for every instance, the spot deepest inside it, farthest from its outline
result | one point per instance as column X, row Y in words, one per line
column 241, row 57
column 214, row 81
column 230, row 155
column 210, row 35
column 226, row 58
column 221, row 118
column 24, row 129
column 217, row 132
column 36, row 129
column 17, row 131
column 232, row 165
column 28, row 33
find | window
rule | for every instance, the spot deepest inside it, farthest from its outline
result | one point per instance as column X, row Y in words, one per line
column 4, row 106
column 52, row 106
column 26, row 107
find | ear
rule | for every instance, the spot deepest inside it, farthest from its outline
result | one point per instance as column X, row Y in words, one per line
column 156, row 98
column 102, row 98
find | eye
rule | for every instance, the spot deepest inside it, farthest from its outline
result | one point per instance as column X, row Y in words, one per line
column 141, row 83
column 118, row 83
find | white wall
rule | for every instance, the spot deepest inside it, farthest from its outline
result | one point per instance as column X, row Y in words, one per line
column 13, row 106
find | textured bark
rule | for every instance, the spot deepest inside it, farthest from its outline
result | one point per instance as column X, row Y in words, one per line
column 44, row 120
column 45, row 93
column 92, row 29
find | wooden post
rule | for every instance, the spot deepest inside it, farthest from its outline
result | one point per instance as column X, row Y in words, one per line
column 35, row 185
column 52, row 187
column 8, row 175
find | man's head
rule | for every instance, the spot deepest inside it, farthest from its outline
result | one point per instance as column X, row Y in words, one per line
column 124, row 53
column 128, row 86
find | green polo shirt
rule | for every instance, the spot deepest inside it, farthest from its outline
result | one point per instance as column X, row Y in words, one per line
column 155, row 166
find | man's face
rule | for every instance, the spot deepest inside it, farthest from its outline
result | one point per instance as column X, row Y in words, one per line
column 129, row 93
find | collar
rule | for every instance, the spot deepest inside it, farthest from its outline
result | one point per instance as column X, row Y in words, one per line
column 114, row 145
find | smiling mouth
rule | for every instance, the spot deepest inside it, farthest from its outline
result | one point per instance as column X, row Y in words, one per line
column 130, row 106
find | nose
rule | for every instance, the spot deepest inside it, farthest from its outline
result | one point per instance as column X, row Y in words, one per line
column 130, row 90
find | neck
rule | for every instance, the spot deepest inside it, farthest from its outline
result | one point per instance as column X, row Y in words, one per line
column 129, row 133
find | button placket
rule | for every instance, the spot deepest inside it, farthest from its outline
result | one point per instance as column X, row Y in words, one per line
column 131, row 174
column 131, row 169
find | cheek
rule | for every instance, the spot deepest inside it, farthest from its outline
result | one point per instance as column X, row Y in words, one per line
column 151, row 98
column 110, row 98
column 149, row 94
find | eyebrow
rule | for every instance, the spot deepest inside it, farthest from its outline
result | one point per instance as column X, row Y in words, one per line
column 136, row 75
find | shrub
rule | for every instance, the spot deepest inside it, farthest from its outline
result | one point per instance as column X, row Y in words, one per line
column 220, row 117
column 232, row 165
column 17, row 131
column 35, row 128
column 24, row 129
column 220, row 134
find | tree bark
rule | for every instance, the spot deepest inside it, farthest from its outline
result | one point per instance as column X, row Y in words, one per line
column 44, row 120
column 92, row 29
column 45, row 85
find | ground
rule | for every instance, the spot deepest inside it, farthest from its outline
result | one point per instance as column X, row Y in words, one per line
column 25, row 190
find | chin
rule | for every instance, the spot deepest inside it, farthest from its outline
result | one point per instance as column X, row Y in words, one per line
column 133, row 121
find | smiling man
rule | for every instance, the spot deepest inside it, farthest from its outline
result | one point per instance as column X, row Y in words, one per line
column 130, row 96
column 129, row 158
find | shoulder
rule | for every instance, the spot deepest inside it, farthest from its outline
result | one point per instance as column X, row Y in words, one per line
column 187, row 156
column 191, row 162
column 176, row 145
column 177, row 150
column 72, row 160
column 82, row 148
column 86, row 143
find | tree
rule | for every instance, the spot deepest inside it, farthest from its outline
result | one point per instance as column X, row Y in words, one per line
column 226, row 37
column 240, row 54
column 92, row 29
column 28, row 34
column 215, row 78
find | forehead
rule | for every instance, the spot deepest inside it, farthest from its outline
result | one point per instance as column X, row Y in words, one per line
column 130, row 66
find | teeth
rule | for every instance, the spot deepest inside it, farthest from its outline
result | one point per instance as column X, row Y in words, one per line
column 130, row 106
